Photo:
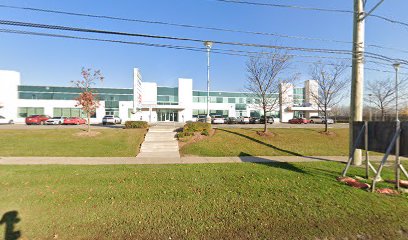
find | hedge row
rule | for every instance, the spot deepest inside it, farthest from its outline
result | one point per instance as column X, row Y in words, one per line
column 136, row 124
column 195, row 127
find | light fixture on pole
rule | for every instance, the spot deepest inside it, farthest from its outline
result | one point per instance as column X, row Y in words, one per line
column 208, row 45
column 370, row 95
column 396, row 67
column 398, row 127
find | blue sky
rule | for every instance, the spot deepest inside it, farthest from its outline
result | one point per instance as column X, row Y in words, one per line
column 50, row 61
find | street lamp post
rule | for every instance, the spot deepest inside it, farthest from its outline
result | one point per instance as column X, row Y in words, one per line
column 397, row 122
column 370, row 117
column 208, row 45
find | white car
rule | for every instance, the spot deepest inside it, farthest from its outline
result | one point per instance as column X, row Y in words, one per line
column 318, row 119
column 4, row 120
column 243, row 119
column 218, row 120
column 110, row 119
column 55, row 121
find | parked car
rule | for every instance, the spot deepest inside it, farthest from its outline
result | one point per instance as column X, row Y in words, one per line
column 110, row 119
column 231, row 120
column 4, row 120
column 269, row 120
column 74, row 121
column 218, row 120
column 254, row 120
column 318, row 119
column 244, row 120
column 36, row 119
column 201, row 118
column 298, row 121
column 55, row 121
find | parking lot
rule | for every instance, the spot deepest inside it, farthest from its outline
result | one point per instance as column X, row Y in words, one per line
column 280, row 125
column 100, row 126
column 32, row 127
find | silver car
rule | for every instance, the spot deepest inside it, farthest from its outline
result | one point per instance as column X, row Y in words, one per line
column 110, row 119
column 318, row 119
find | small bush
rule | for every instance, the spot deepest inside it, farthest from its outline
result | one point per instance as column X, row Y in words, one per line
column 195, row 127
column 136, row 124
column 205, row 132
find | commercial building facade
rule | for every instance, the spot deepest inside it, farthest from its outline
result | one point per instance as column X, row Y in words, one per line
column 148, row 102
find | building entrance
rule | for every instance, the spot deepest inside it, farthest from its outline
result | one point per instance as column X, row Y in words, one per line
column 167, row 115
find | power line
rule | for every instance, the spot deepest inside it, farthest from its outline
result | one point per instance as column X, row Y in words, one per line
column 170, row 24
column 287, row 6
column 98, row 31
column 169, row 46
column 197, row 26
column 387, row 19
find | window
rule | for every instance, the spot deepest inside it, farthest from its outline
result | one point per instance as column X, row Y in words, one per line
column 241, row 100
column 231, row 100
column 240, row 107
column 219, row 100
column 70, row 112
column 24, row 112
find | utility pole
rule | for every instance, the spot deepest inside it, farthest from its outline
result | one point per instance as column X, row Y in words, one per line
column 208, row 45
column 357, row 75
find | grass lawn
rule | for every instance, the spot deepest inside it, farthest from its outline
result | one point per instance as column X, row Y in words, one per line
column 64, row 143
column 246, row 142
column 202, row 201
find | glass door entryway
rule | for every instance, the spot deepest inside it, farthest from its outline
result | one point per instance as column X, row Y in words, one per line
column 167, row 115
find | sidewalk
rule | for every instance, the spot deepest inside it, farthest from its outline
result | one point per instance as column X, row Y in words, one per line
column 170, row 160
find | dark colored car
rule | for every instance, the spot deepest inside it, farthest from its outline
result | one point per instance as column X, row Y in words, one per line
column 74, row 121
column 36, row 119
column 254, row 120
column 298, row 121
column 268, row 120
column 231, row 120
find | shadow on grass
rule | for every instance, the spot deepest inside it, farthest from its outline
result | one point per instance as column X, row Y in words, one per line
column 10, row 219
column 245, row 157
column 260, row 142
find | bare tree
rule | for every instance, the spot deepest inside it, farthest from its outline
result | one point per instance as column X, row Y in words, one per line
column 382, row 94
column 330, row 86
column 265, row 78
column 88, row 99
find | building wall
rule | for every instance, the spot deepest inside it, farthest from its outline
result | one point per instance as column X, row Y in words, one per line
column 185, row 99
column 9, row 81
column 146, row 100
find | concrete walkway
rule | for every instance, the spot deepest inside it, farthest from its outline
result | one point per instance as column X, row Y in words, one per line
column 160, row 142
column 159, row 160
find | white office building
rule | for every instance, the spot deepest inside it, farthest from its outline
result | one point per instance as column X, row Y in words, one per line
column 147, row 101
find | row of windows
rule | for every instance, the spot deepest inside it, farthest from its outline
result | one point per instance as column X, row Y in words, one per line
column 46, row 89
column 70, row 112
column 70, row 96
column 167, row 100
column 24, row 112
column 198, row 112
column 230, row 100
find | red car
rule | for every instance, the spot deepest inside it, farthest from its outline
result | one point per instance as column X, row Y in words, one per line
column 74, row 121
column 298, row 121
column 36, row 119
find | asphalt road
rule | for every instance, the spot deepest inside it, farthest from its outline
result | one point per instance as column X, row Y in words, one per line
column 100, row 126
column 32, row 127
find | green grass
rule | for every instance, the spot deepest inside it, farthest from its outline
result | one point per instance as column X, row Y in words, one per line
column 202, row 201
column 64, row 143
column 286, row 142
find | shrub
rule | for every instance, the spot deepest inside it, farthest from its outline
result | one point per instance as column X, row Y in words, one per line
column 194, row 127
column 205, row 132
column 136, row 124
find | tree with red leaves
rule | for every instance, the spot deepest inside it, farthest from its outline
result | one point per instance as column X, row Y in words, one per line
column 88, row 99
